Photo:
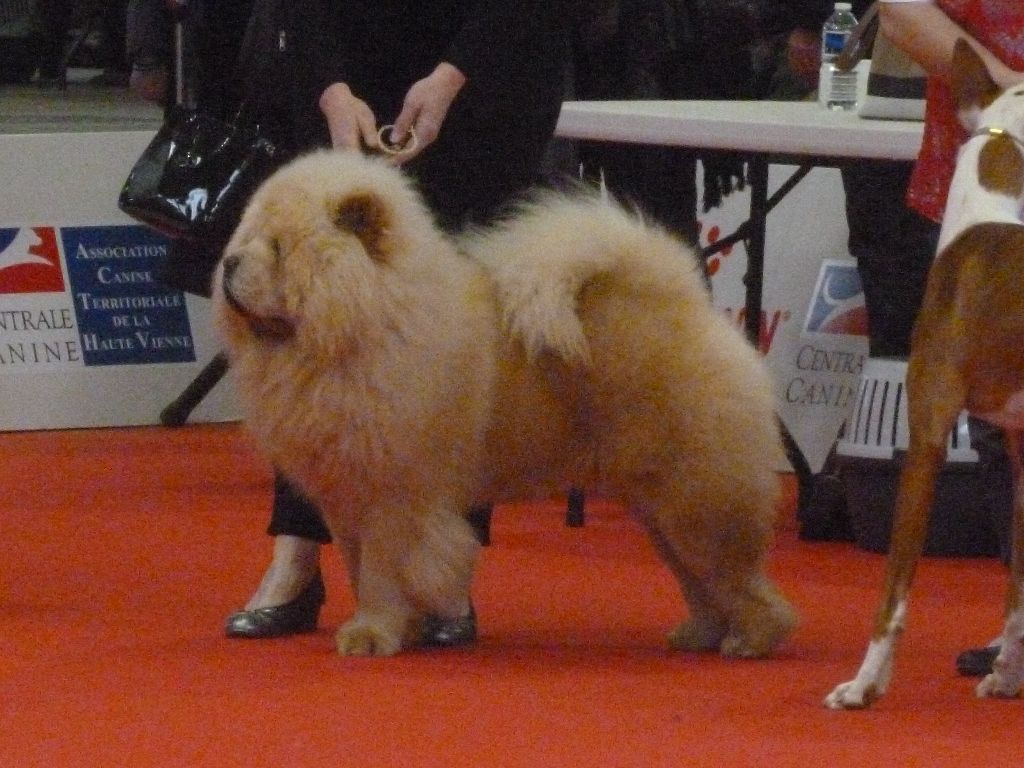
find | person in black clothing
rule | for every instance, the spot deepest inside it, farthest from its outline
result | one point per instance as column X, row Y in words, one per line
column 893, row 246
column 659, row 49
column 480, row 83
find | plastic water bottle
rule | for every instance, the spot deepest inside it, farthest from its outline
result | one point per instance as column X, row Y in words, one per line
column 837, row 89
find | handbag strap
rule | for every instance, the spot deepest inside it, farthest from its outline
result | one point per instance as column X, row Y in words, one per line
column 858, row 46
column 182, row 16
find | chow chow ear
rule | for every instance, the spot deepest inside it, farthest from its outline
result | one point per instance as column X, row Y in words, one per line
column 366, row 216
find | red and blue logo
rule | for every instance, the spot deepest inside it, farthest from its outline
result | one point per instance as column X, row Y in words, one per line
column 837, row 304
column 30, row 261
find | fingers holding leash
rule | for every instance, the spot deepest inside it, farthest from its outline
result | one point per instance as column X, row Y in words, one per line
column 408, row 136
column 400, row 150
column 352, row 123
column 424, row 110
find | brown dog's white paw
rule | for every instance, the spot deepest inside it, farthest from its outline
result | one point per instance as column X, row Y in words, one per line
column 872, row 678
column 1004, row 682
column 361, row 638
column 993, row 687
column 851, row 695
column 1007, row 676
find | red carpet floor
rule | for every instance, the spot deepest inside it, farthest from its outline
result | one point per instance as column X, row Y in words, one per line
column 124, row 550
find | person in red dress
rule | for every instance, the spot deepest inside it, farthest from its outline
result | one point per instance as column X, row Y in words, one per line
column 927, row 31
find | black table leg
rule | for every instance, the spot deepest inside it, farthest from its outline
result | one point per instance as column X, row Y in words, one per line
column 753, row 283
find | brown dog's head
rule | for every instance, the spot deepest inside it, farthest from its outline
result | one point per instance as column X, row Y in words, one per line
column 310, row 262
column 985, row 108
column 975, row 90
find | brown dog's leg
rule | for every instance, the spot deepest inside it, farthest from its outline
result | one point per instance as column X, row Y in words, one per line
column 1008, row 669
column 935, row 402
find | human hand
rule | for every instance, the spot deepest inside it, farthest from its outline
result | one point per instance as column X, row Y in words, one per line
column 424, row 109
column 350, row 120
column 803, row 55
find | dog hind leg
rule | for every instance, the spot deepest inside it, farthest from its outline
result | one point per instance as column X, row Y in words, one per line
column 1008, row 669
column 760, row 618
column 734, row 608
column 707, row 624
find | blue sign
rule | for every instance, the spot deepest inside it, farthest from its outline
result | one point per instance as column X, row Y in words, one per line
column 125, row 317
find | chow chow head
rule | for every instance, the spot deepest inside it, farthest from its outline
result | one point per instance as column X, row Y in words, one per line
column 312, row 259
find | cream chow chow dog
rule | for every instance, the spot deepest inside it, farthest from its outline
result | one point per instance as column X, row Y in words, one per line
column 400, row 378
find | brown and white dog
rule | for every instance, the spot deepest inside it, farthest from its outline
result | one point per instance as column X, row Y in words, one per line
column 967, row 352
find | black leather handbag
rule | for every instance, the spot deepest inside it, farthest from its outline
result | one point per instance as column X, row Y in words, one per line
column 195, row 177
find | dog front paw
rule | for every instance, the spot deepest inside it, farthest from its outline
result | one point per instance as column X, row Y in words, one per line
column 361, row 638
column 852, row 695
column 1007, row 676
column 996, row 686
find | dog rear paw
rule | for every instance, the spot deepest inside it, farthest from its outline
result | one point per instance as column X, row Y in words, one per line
column 736, row 646
column 1007, row 676
column 359, row 638
column 697, row 636
column 851, row 695
column 756, row 633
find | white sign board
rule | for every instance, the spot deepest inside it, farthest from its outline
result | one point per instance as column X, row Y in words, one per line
column 88, row 337
column 813, row 325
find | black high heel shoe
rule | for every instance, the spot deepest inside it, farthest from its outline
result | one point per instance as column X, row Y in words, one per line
column 977, row 662
column 449, row 632
column 293, row 618
column 301, row 615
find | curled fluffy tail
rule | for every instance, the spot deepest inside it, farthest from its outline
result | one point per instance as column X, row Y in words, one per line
column 543, row 257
